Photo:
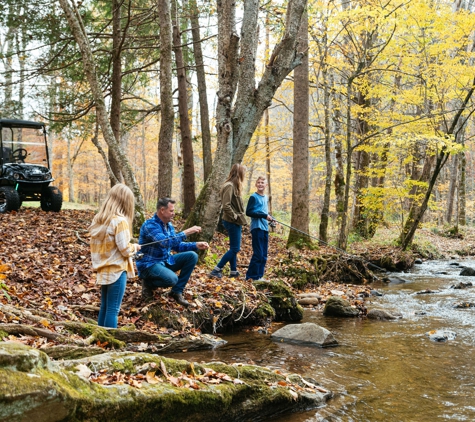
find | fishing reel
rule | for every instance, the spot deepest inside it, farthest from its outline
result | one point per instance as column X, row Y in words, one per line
column 138, row 256
column 273, row 224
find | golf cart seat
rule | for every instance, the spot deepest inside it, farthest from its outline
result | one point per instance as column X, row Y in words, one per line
column 7, row 155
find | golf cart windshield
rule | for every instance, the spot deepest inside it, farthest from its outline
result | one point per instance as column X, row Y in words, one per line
column 24, row 145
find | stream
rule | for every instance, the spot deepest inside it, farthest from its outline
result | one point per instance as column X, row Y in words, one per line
column 382, row 370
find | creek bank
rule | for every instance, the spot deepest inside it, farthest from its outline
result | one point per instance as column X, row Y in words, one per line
column 144, row 387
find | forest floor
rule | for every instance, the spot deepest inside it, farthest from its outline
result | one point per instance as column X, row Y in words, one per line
column 45, row 266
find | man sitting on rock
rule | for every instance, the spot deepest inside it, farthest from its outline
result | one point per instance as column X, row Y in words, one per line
column 158, row 265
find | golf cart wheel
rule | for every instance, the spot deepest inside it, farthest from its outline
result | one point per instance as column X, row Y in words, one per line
column 51, row 199
column 9, row 199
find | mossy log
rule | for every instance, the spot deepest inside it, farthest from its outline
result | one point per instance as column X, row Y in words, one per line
column 34, row 388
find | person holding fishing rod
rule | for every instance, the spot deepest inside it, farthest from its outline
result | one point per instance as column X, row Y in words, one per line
column 112, row 252
column 158, row 265
column 257, row 209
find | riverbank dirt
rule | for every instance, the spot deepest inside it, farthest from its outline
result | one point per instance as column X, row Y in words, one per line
column 46, row 274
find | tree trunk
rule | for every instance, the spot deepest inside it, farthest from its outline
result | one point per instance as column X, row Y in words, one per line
column 266, row 125
column 323, row 229
column 189, row 195
column 300, row 192
column 235, row 126
column 339, row 181
column 342, row 237
column 78, row 31
column 165, row 142
column 70, row 173
column 462, row 202
column 202, row 92
column 116, row 85
column 268, row 160
column 452, row 188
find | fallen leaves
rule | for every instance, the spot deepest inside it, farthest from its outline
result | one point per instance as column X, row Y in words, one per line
column 148, row 373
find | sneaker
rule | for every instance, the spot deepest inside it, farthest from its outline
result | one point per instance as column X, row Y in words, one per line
column 262, row 280
column 147, row 292
column 216, row 273
column 178, row 298
column 234, row 274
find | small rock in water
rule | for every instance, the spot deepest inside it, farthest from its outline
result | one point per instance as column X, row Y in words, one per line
column 375, row 293
column 441, row 336
column 442, row 272
column 462, row 305
column 418, row 261
column 467, row 271
column 427, row 291
column 420, row 313
column 381, row 314
column 462, row 285
column 455, row 264
column 396, row 280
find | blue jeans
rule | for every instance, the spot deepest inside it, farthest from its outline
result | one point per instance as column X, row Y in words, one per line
column 234, row 232
column 163, row 274
column 260, row 242
column 111, row 299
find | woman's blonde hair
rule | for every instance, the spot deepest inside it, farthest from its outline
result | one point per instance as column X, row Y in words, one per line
column 119, row 201
column 236, row 176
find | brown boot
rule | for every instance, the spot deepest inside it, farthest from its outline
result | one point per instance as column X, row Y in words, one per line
column 147, row 292
column 178, row 298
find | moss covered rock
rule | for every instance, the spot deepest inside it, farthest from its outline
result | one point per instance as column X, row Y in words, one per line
column 34, row 388
column 282, row 300
column 336, row 306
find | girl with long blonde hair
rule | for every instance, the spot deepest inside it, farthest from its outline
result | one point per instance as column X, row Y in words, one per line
column 111, row 251
column 234, row 218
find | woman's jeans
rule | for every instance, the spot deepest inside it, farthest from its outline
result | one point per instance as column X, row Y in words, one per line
column 163, row 274
column 234, row 232
column 111, row 299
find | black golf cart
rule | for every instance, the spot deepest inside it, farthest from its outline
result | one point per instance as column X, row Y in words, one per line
column 25, row 172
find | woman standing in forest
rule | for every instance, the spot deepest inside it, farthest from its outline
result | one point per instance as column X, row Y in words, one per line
column 111, row 251
column 234, row 218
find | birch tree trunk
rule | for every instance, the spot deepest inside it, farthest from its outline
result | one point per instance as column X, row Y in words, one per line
column 236, row 76
column 77, row 28
column 165, row 141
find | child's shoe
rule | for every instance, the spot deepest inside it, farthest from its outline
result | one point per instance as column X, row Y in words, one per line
column 216, row 272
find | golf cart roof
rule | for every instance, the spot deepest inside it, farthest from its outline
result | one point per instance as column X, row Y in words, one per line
column 21, row 123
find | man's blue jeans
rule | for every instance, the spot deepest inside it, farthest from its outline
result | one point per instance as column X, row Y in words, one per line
column 260, row 242
column 234, row 232
column 111, row 299
column 163, row 274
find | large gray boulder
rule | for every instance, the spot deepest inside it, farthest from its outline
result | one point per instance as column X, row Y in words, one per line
column 306, row 333
column 336, row 306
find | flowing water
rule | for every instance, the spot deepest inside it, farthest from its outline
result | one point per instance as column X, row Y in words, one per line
column 383, row 370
